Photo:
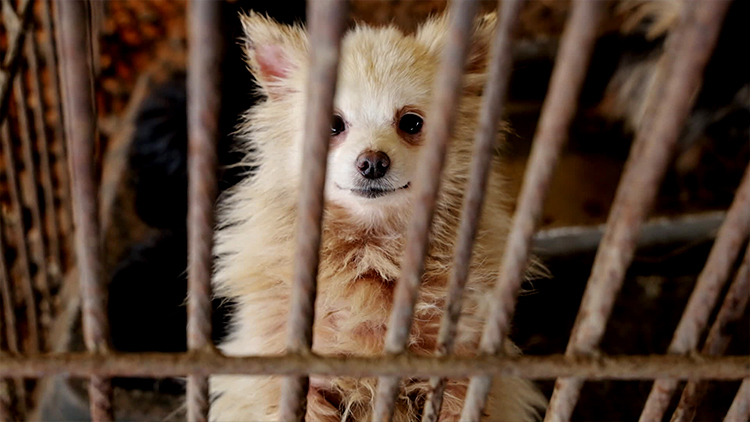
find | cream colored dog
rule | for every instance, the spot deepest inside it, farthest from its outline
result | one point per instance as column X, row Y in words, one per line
column 382, row 101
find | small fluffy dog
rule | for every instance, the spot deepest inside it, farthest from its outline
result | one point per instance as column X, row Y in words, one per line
column 383, row 96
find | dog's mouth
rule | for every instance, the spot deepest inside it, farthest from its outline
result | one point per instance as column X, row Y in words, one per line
column 371, row 192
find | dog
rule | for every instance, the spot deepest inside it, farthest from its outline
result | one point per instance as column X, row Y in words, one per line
column 382, row 103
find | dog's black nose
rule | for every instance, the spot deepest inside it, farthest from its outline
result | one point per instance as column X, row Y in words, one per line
column 373, row 164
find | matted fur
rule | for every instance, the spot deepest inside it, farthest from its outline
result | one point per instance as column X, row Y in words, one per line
column 381, row 72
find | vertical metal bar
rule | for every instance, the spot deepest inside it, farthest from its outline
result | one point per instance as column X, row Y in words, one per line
column 204, row 79
column 493, row 103
column 36, row 231
column 80, row 125
column 448, row 87
column 557, row 113
column 59, row 146
column 732, row 310
column 55, row 269
column 27, row 285
column 733, row 232
column 739, row 411
column 653, row 148
column 327, row 23
column 204, row 101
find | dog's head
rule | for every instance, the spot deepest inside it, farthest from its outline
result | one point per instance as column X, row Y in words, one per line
column 381, row 107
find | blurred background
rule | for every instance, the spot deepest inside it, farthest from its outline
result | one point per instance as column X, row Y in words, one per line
column 140, row 51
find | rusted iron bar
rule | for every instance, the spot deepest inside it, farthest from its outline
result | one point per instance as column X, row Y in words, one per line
column 557, row 113
column 732, row 310
column 653, row 148
column 204, row 102
column 448, row 86
column 493, row 105
column 326, row 27
column 732, row 235
column 739, row 411
column 161, row 365
column 15, row 27
column 35, row 234
column 565, row 241
column 80, row 126
column 26, row 282
column 60, row 148
column 55, row 269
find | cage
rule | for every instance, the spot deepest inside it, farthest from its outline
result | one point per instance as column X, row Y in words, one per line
column 628, row 153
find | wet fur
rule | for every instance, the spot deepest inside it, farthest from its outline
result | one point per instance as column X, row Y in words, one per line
column 362, row 243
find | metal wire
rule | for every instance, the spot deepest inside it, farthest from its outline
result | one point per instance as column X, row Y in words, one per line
column 493, row 103
column 327, row 23
column 80, row 126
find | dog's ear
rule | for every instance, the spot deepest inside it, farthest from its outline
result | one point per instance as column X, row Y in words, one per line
column 434, row 34
column 274, row 53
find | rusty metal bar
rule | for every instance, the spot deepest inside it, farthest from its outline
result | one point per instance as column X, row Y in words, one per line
column 35, row 234
column 493, row 105
column 60, row 148
column 655, row 142
column 739, row 411
column 728, row 245
column 557, row 113
column 203, row 108
column 15, row 25
column 26, row 282
column 327, row 24
column 161, row 365
column 732, row 310
column 80, row 125
column 732, row 234
column 449, row 83
column 204, row 101
column 55, row 256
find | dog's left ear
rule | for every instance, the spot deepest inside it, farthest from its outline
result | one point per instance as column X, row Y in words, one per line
column 433, row 34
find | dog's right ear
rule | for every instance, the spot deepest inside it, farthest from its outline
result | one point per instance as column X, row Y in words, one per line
column 274, row 53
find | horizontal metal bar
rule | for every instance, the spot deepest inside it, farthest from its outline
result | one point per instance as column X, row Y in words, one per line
column 565, row 241
column 162, row 365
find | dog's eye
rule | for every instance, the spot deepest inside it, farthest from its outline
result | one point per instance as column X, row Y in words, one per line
column 411, row 123
column 338, row 125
